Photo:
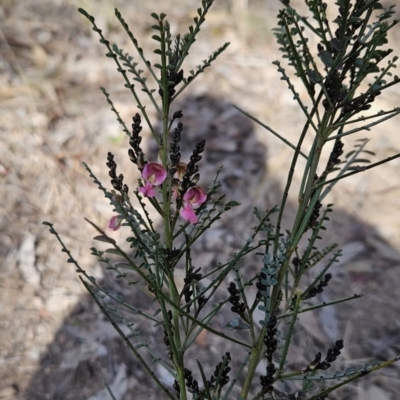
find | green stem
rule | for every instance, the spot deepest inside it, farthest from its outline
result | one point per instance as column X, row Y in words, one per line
column 321, row 305
column 270, row 130
column 164, row 144
column 288, row 337
column 353, row 378
column 359, row 169
column 166, row 191
column 254, row 360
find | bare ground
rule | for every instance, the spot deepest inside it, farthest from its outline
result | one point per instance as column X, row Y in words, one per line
column 53, row 342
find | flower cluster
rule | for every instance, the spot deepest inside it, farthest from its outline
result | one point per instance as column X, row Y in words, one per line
column 234, row 299
column 330, row 357
column 315, row 215
column 117, row 181
column 269, row 339
column 334, row 156
column 191, row 383
column 136, row 154
column 220, row 376
column 166, row 339
column 154, row 174
column 260, row 285
column 183, row 176
column 267, row 380
column 192, row 277
column 271, row 344
column 313, row 221
column 320, row 287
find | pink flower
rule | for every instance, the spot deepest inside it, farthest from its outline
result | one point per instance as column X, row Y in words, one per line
column 147, row 190
column 154, row 174
column 196, row 196
column 115, row 223
column 188, row 214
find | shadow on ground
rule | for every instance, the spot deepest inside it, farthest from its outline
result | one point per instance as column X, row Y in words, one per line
column 85, row 345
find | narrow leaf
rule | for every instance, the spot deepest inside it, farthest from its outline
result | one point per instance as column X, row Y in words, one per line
column 113, row 251
column 232, row 204
column 106, row 239
column 326, row 58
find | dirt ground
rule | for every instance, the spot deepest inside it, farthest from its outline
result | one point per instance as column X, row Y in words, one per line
column 54, row 344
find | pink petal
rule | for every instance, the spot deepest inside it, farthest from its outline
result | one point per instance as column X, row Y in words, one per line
column 154, row 173
column 147, row 190
column 196, row 196
column 115, row 223
column 188, row 214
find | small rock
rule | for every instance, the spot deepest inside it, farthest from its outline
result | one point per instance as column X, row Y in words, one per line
column 26, row 261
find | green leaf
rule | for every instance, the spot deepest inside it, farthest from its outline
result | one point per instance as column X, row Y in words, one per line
column 106, row 239
column 368, row 152
column 362, row 160
column 236, row 324
column 273, row 281
column 326, row 58
column 337, row 44
column 359, row 62
column 122, row 265
column 88, row 16
column 308, row 385
column 371, row 67
column 113, row 251
column 232, row 203
column 315, row 76
column 157, row 312
column 157, row 38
